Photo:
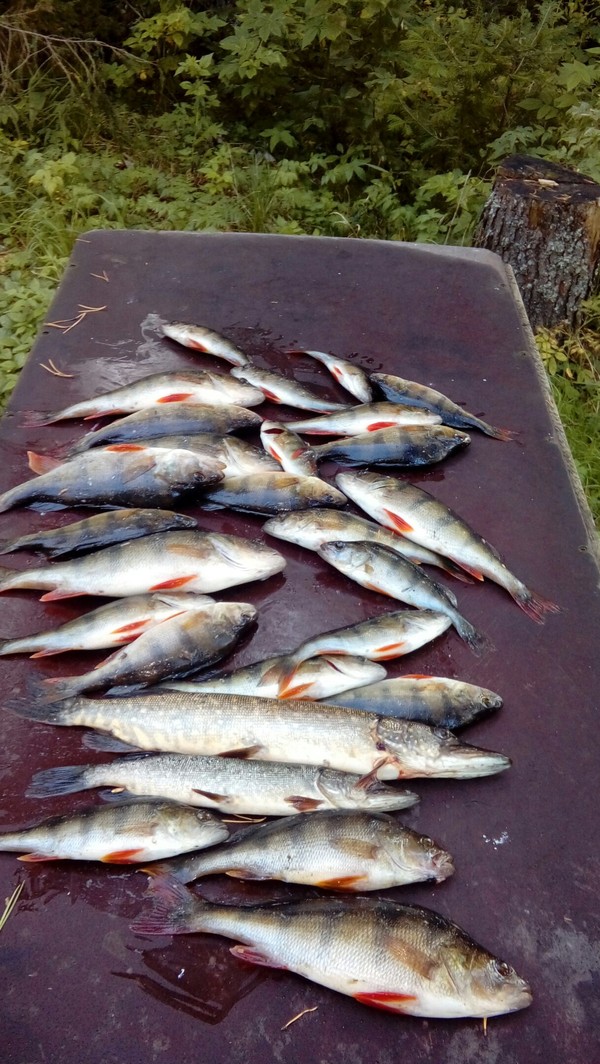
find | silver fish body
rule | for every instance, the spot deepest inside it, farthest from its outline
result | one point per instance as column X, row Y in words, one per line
column 280, row 389
column 287, row 449
column 330, row 850
column 200, row 562
column 401, row 958
column 410, row 446
column 348, row 374
column 399, row 390
column 199, row 338
column 120, row 834
column 234, row 786
column 307, row 733
column 322, row 677
column 101, row 530
column 111, row 625
column 268, row 493
column 159, row 389
column 312, row 528
column 238, row 457
column 435, row 700
column 139, row 477
column 175, row 647
column 182, row 419
column 380, row 569
column 369, row 417
column 420, row 517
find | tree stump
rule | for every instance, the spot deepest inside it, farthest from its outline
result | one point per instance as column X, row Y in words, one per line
column 544, row 221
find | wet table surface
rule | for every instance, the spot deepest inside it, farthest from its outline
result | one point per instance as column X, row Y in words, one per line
column 77, row 984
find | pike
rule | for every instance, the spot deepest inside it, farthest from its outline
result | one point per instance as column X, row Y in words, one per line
column 189, row 386
column 172, row 648
column 331, row 850
column 123, row 834
column 304, row 733
column 280, row 389
column 122, row 475
column 435, row 700
column 200, row 562
column 237, row 787
column 101, row 530
column 323, row 677
column 288, row 450
column 312, row 529
column 350, row 376
column 177, row 419
column 398, row 390
column 402, row 445
column 369, row 417
column 400, row 958
column 112, row 625
column 420, row 517
column 200, row 338
column 382, row 570
column 269, row 493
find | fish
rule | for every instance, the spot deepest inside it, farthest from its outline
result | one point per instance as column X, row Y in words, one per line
column 313, row 679
column 350, row 376
column 401, row 958
column 280, row 389
column 121, row 475
column 238, row 457
column 382, row 570
column 234, row 786
column 268, row 493
column 101, row 530
column 120, row 834
column 411, row 446
column 332, row 850
column 178, row 646
column 175, row 419
column 380, row 639
column 157, row 389
column 304, row 733
column 398, row 390
column 168, row 561
column 434, row 700
column 111, row 625
column 199, row 338
column 420, row 517
column 369, row 417
column 288, row 450
column 312, row 528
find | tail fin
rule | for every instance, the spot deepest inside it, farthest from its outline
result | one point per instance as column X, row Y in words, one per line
column 175, row 909
column 501, row 434
column 51, row 781
column 534, row 605
column 478, row 643
column 61, row 688
column 41, row 711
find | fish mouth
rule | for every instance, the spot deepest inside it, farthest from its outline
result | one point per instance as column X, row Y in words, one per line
column 443, row 865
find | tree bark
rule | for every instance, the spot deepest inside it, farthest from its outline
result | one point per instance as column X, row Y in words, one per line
column 544, row 220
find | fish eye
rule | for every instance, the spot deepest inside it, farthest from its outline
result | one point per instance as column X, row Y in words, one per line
column 442, row 733
column 503, row 969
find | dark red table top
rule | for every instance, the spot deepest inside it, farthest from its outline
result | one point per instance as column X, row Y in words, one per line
column 76, row 984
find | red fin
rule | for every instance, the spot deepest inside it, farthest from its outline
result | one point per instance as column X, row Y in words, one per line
column 175, row 397
column 375, row 425
column 48, row 653
column 125, row 447
column 37, row 857
column 374, row 587
column 135, row 626
column 295, row 692
column 386, row 1000
column 270, row 395
column 177, row 581
column 302, row 804
column 342, row 883
column 197, row 346
column 54, row 596
column 212, row 795
column 42, row 463
column 253, row 956
column 243, row 752
column 122, row 856
column 534, row 605
column 336, row 372
column 399, row 524
column 273, row 432
column 390, row 650
column 416, row 676
column 298, row 452
column 469, row 569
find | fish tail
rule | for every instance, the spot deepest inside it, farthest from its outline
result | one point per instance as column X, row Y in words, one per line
column 32, row 707
column 500, row 434
column 50, row 781
column 175, row 909
column 534, row 605
column 61, row 688
column 478, row 643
